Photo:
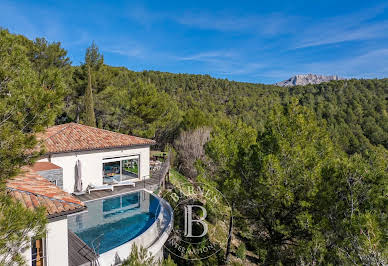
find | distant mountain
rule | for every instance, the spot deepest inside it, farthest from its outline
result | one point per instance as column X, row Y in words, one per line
column 307, row 79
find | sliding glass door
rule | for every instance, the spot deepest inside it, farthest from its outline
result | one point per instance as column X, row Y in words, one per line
column 120, row 169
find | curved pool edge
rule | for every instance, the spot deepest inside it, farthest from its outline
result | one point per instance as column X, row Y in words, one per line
column 153, row 238
column 156, row 249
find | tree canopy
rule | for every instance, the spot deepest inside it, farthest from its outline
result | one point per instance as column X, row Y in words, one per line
column 302, row 200
column 31, row 93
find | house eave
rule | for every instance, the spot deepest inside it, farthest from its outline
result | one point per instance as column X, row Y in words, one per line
column 58, row 216
column 102, row 149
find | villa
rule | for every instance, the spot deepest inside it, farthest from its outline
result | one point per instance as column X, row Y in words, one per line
column 97, row 190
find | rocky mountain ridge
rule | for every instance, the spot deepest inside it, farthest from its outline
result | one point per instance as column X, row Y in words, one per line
column 305, row 79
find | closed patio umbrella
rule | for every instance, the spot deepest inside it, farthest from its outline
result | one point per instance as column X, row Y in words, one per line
column 78, row 177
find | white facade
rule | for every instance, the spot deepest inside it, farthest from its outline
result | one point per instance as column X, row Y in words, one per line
column 91, row 164
column 55, row 244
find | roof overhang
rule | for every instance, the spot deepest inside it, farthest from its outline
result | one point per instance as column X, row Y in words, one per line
column 102, row 149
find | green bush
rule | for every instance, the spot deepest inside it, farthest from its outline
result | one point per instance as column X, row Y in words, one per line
column 241, row 250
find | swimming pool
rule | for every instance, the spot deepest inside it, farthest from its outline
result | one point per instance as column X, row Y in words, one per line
column 111, row 222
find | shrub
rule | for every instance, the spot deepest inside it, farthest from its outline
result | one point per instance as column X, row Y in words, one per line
column 241, row 250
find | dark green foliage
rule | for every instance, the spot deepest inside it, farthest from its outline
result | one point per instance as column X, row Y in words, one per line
column 168, row 262
column 93, row 58
column 93, row 63
column 274, row 181
column 44, row 55
column 350, row 209
column 31, row 91
column 303, row 199
column 240, row 252
column 355, row 110
column 90, row 118
column 138, row 108
column 140, row 257
column 28, row 103
column 16, row 225
column 195, row 118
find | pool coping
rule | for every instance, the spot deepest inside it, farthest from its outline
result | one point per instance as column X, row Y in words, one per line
column 120, row 194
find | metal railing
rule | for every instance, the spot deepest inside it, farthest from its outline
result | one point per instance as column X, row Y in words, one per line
column 162, row 172
column 96, row 243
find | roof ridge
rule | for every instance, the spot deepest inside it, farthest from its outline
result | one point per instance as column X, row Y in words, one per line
column 109, row 131
column 56, row 133
column 72, row 137
column 40, row 195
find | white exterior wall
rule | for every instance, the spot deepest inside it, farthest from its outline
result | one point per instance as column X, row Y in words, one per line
column 91, row 163
column 57, row 243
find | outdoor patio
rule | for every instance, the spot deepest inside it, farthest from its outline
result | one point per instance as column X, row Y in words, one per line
column 157, row 179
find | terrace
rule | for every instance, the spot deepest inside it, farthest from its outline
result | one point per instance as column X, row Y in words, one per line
column 159, row 172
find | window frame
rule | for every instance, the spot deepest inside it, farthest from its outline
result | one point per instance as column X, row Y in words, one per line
column 43, row 258
column 121, row 159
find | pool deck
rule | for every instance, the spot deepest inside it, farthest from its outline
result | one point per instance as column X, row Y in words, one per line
column 150, row 184
column 156, row 180
column 79, row 252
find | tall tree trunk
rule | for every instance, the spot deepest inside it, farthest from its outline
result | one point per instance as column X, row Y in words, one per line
column 90, row 119
column 229, row 236
column 77, row 112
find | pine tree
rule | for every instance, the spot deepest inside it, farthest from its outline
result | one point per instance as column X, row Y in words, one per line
column 30, row 99
column 90, row 118
column 93, row 62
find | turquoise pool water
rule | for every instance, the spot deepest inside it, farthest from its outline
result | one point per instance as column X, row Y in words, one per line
column 111, row 222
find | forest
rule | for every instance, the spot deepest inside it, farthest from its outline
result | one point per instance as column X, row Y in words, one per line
column 305, row 166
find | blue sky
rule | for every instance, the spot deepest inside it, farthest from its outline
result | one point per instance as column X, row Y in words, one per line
column 253, row 41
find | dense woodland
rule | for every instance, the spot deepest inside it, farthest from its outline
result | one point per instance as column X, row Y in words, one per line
column 355, row 110
column 304, row 166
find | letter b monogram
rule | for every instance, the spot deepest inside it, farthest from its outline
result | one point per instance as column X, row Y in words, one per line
column 189, row 221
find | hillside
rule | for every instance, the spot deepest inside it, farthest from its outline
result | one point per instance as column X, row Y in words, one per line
column 160, row 105
column 355, row 110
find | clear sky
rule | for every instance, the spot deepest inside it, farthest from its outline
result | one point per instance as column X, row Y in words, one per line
column 254, row 41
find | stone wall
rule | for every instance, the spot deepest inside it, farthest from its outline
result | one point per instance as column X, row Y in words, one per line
column 53, row 175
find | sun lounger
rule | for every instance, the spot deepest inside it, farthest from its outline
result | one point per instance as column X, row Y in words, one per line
column 123, row 183
column 103, row 187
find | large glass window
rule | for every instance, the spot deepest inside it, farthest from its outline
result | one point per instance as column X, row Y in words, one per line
column 120, row 169
column 38, row 253
column 111, row 171
column 130, row 169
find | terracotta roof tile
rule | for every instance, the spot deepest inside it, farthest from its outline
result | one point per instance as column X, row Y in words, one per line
column 44, row 166
column 27, row 201
column 76, row 137
column 34, row 191
column 34, row 200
